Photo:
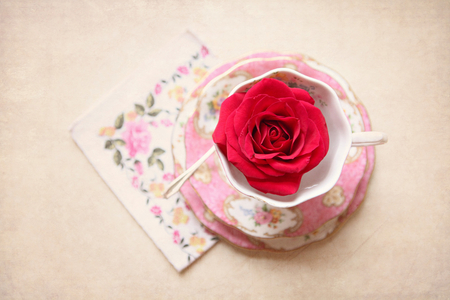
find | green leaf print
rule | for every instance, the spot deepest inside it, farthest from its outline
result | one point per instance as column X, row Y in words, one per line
column 160, row 164
column 150, row 100
column 119, row 142
column 140, row 110
column 154, row 112
column 117, row 157
column 119, row 122
column 109, row 145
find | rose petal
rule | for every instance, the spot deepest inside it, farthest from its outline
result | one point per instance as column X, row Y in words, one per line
column 274, row 133
column 234, row 154
column 295, row 147
column 271, row 87
column 250, row 148
column 245, row 111
column 295, row 165
column 302, row 95
column 267, row 156
column 290, row 130
column 279, row 109
column 253, row 123
column 312, row 138
column 299, row 109
column 283, row 185
column 260, row 133
column 228, row 106
column 316, row 115
column 269, row 170
column 316, row 157
column 256, row 146
column 243, row 165
column 280, row 145
column 250, row 127
column 264, row 103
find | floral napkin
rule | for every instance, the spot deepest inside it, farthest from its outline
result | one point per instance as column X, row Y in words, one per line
column 127, row 138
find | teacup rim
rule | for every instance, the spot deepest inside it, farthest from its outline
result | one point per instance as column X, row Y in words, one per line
column 336, row 166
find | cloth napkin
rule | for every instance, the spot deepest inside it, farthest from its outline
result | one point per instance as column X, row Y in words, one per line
column 127, row 138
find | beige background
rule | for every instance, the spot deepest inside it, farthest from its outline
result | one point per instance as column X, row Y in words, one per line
column 64, row 235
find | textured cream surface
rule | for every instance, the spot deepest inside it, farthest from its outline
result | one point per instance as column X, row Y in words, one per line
column 64, row 235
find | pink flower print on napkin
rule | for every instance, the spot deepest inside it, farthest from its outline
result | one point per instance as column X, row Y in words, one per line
column 135, row 182
column 183, row 70
column 166, row 122
column 137, row 137
column 158, row 89
column 168, row 177
column 154, row 124
column 139, row 168
column 263, row 217
column 156, row 210
column 176, row 237
column 204, row 51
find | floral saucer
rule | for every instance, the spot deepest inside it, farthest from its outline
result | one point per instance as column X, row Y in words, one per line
column 249, row 215
column 333, row 200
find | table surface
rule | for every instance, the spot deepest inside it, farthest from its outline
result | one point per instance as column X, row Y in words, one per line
column 64, row 235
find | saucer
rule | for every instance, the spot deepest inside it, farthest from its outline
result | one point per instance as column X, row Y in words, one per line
column 249, row 215
column 232, row 234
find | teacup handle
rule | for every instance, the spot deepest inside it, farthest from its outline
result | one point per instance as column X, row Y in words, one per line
column 368, row 138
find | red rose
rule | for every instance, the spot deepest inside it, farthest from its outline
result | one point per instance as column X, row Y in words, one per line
column 273, row 134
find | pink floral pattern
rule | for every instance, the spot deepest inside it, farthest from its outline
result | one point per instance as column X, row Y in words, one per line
column 237, row 237
column 134, row 139
column 183, row 70
column 204, row 51
column 263, row 217
column 137, row 137
column 156, row 210
column 176, row 237
column 166, row 122
column 168, row 177
column 158, row 89
column 139, row 168
column 314, row 217
column 135, row 182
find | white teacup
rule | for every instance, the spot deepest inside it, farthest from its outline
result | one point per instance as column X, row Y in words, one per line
column 324, row 176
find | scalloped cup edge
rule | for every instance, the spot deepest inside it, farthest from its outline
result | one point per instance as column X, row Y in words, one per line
column 324, row 176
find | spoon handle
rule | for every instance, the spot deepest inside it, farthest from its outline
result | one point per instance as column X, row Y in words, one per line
column 178, row 182
column 368, row 138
